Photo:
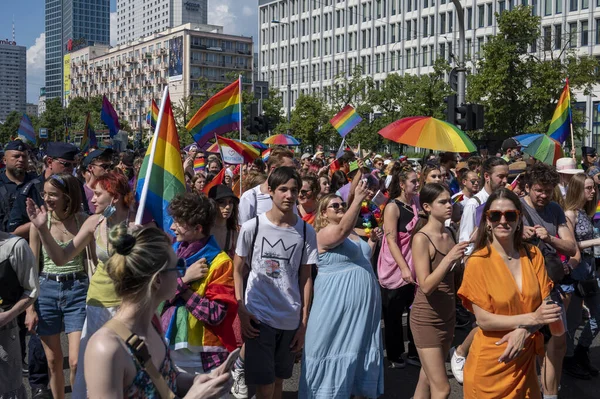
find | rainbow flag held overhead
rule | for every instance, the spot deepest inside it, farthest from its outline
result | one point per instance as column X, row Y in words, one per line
column 161, row 175
column 246, row 150
column 152, row 115
column 26, row 132
column 199, row 165
column 560, row 126
column 220, row 114
column 266, row 154
column 345, row 120
column 109, row 117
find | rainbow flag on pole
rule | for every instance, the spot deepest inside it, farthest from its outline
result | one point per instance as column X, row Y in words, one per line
column 220, row 114
column 345, row 120
column 152, row 115
column 26, row 132
column 246, row 150
column 109, row 117
column 560, row 126
column 161, row 175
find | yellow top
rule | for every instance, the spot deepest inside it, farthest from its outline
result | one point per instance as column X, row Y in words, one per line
column 101, row 292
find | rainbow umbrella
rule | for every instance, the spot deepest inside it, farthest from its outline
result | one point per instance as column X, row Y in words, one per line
column 258, row 145
column 281, row 139
column 541, row 147
column 428, row 132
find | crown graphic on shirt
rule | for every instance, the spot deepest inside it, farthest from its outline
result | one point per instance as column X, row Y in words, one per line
column 277, row 250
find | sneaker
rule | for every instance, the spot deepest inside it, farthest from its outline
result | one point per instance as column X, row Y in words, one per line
column 457, row 364
column 413, row 360
column 397, row 364
column 41, row 393
column 25, row 368
column 239, row 388
column 582, row 357
column 574, row 369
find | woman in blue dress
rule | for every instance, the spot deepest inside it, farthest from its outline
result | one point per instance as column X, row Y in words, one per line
column 343, row 352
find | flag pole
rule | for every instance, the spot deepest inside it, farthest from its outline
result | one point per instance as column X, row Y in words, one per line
column 240, row 127
column 144, row 195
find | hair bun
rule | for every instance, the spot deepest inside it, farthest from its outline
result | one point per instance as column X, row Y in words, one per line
column 121, row 241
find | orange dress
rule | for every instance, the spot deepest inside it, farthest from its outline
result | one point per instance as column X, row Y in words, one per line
column 488, row 283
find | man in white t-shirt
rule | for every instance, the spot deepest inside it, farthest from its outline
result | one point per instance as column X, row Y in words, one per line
column 257, row 200
column 274, row 308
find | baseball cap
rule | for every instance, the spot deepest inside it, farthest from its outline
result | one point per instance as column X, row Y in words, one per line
column 510, row 143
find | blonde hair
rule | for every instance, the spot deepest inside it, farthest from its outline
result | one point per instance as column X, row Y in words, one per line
column 575, row 200
column 320, row 220
column 136, row 259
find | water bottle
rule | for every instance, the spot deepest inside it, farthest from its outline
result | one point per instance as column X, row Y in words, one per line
column 596, row 247
column 557, row 328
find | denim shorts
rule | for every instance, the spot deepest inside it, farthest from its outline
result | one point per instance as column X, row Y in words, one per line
column 61, row 306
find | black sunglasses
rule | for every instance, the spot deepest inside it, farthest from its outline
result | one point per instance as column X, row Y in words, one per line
column 510, row 216
column 66, row 164
column 104, row 166
column 179, row 267
column 337, row 205
column 305, row 192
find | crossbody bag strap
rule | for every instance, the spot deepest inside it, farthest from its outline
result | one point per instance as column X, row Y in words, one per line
column 140, row 351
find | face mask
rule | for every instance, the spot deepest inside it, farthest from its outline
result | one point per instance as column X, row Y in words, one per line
column 109, row 210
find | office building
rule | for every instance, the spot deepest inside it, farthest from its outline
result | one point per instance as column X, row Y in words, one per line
column 13, row 78
column 141, row 18
column 31, row 109
column 132, row 75
column 42, row 101
column 72, row 24
column 319, row 40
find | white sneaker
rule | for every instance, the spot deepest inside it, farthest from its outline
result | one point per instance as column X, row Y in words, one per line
column 457, row 364
column 239, row 388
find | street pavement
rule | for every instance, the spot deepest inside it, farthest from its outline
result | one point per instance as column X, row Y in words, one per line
column 401, row 383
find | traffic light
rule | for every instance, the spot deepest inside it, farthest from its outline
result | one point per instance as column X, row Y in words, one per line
column 261, row 124
column 479, row 112
column 450, row 109
column 465, row 119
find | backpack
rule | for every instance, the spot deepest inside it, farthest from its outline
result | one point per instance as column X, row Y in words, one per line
column 251, row 254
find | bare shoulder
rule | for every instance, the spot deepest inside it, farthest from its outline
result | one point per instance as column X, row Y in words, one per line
column 104, row 346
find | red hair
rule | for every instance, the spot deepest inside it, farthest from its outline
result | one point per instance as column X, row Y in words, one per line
column 116, row 184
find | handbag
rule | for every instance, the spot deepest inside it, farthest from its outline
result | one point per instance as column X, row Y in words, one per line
column 553, row 263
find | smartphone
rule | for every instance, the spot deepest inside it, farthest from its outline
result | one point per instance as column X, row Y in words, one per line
column 228, row 365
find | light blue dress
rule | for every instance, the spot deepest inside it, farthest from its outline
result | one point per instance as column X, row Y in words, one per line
column 343, row 350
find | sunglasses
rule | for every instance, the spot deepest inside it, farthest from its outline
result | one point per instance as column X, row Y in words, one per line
column 66, row 164
column 510, row 216
column 104, row 166
column 474, row 181
column 338, row 205
column 179, row 268
column 305, row 192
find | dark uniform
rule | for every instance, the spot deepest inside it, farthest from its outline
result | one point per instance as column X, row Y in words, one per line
column 586, row 151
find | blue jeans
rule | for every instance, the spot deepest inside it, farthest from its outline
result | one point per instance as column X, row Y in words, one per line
column 591, row 327
column 61, row 303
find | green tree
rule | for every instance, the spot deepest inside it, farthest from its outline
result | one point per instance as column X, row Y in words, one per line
column 310, row 122
column 53, row 119
column 272, row 108
column 10, row 126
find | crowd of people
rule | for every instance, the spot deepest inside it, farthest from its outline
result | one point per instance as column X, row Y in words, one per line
column 297, row 260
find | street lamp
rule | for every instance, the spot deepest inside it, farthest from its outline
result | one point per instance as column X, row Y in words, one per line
column 289, row 68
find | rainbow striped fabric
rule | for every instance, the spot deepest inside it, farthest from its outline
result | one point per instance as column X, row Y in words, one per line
column 218, row 179
column 26, row 132
column 345, row 120
column 199, row 165
column 220, row 114
column 266, row 154
column 152, row 115
column 161, row 175
column 597, row 215
column 560, row 126
column 244, row 149
column 110, row 117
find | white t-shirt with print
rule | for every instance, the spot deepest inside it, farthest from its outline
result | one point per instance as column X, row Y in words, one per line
column 273, row 290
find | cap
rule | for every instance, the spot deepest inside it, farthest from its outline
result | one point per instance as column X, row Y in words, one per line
column 62, row 150
column 588, row 151
column 306, row 155
column 510, row 143
column 516, row 167
column 567, row 166
column 16, row 145
column 96, row 154
column 593, row 171
column 378, row 156
column 221, row 191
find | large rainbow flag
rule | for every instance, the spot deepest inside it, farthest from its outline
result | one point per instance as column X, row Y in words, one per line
column 220, row 114
column 560, row 126
column 26, row 132
column 161, row 175
column 152, row 115
column 345, row 120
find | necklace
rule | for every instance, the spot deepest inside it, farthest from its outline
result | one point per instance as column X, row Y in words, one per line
column 54, row 222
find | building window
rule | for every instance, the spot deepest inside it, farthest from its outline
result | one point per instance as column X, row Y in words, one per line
column 547, row 7
column 547, row 38
column 408, row 8
column 468, row 48
column 480, row 47
column 377, row 63
column 469, row 18
column 408, row 66
column 585, row 4
column 442, row 23
column 393, row 33
column 557, row 37
column 450, row 22
column 573, row 5
column 558, row 6
column 480, row 16
column 584, row 33
column 573, row 34
column 597, row 30
column 501, row 6
column 424, row 55
column 408, row 30
column 393, row 61
column 425, row 26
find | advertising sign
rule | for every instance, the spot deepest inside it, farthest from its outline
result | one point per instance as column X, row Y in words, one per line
column 67, row 75
column 176, row 59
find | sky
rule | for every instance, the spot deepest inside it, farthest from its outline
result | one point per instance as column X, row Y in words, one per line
column 237, row 17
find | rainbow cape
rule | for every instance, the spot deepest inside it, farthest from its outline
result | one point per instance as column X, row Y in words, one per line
column 152, row 115
column 220, row 114
column 183, row 330
column 161, row 175
column 246, row 150
column 560, row 126
column 345, row 120
column 26, row 132
column 199, row 165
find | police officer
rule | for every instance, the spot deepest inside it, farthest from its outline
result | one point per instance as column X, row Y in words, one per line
column 13, row 178
column 60, row 158
column 589, row 157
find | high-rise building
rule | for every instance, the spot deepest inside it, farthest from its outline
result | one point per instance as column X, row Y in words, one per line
column 13, row 78
column 305, row 44
column 72, row 24
column 42, row 101
column 140, row 18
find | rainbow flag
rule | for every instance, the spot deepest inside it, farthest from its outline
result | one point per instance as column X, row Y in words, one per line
column 514, row 183
column 152, row 115
column 85, row 139
column 345, row 120
column 458, row 198
column 109, row 117
column 199, row 165
column 597, row 215
column 266, row 154
column 218, row 179
column 220, row 114
column 560, row 126
column 246, row 150
column 26, row 132
column 161, row 175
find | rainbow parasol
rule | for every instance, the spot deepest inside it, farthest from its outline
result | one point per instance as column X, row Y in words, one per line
column 258, row 145
column 281, row 139
column 541, row 147
column 428, row 132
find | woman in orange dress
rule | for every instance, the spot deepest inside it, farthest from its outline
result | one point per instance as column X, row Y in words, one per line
column 506, row 286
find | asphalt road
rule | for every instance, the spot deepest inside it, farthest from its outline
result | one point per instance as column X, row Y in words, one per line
column 401, row 383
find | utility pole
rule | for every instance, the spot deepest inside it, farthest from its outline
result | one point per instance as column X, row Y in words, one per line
column 460, row 15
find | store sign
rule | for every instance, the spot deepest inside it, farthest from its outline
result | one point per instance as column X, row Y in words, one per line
column 192, row 6
column 9, row 42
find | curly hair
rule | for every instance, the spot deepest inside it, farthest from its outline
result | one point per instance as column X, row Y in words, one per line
column 194, row 210
column 543, row 175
